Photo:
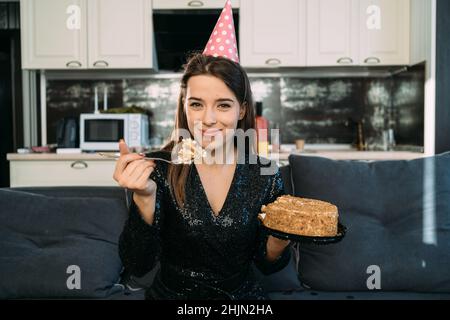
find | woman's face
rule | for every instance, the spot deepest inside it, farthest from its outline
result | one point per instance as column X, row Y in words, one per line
column 212, row 111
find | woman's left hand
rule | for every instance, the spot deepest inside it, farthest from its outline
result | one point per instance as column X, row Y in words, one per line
column 275, row 247
column 277, row 243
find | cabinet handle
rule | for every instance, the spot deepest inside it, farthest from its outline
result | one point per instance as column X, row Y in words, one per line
column 372, row 60
column 195, row 4
column 73, row 64
column 99, row 62
column 345, row 60
column 273, row 62
column 79, row 165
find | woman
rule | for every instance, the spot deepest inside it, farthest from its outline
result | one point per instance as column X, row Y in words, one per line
column 200, row 220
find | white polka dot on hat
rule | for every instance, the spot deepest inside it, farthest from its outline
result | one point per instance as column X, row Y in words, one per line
column 224, row 35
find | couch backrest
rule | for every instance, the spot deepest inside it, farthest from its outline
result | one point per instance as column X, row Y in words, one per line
column 82, row 191
column 287, row 179
column 397, row 215
column 48, row 233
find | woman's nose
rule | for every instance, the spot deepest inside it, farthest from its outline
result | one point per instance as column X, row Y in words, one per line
column 209, row 117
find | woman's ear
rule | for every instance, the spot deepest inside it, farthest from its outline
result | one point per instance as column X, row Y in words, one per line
column 243, row 110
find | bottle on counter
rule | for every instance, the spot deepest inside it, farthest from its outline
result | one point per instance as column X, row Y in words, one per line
column 262, row 128
column 391, row 139
column 275, row 139
column 360, row 140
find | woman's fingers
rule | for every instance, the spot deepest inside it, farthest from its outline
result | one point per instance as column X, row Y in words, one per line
column 123, row 147
column 142, row 181
column 125, row 160
column 132, row 167
column 133, row 172
column 137, row 171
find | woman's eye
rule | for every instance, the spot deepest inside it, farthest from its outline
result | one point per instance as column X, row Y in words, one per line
column 195, row 105
column 224, row 106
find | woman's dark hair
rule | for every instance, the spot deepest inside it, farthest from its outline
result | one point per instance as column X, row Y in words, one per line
column 235, row 78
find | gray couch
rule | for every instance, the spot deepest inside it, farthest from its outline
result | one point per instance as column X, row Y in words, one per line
column 62, row 242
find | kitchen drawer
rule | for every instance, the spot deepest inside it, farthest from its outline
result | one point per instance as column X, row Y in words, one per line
column 192, row 4
column 62, row 173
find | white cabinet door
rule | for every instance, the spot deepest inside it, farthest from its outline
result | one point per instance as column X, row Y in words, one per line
column 120, row 34
column 332, row 32
column 53, row 34
column 384, row 32
column 421, row 22
column 272, row 33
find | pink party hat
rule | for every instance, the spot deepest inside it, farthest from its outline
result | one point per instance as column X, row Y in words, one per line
column 222, row 41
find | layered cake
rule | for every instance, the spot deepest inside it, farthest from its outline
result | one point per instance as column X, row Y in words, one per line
column 301, row 216
column 189, row 151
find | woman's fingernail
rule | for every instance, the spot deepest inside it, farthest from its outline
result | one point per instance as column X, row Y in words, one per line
column 121, row 141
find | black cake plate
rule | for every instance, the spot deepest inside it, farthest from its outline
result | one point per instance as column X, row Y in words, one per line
column 308, row 239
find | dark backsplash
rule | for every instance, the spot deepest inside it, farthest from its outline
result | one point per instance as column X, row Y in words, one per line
column 322, row 110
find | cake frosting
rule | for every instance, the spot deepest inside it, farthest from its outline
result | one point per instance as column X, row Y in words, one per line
column 301, row 216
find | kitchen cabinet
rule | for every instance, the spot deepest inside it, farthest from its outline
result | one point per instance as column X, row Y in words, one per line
column 332, row 32
column 358, row 32
column 324, row 33
column 32, row 170
column 120, row 34
column 389, row 42
column 192, row 4
column 272, row 33
column 81, row 34
column 51, row 37
column 421, row 21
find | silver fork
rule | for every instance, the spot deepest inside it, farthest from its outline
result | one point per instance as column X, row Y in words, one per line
column 114, row 156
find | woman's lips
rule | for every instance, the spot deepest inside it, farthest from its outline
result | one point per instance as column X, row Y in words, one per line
column 211, row 132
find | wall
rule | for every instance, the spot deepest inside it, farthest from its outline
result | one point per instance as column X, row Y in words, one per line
column 320, row 110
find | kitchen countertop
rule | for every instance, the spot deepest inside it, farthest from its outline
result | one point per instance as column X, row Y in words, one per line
column 354, row 155
column 54, row 156
column 283, row 156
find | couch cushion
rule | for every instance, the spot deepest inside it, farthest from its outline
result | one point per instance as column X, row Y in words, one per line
column 42, row 236
column 358, row 295
column 398, row 219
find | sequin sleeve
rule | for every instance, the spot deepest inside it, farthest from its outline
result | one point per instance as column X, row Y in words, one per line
column 139, row 243
column 275, row 189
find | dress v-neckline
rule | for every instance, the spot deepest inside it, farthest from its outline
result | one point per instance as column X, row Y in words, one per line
column 205, row 196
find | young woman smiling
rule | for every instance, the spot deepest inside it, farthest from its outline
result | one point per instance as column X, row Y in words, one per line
column 201, row 219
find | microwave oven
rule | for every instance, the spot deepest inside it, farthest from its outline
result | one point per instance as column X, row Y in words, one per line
column 102, row 132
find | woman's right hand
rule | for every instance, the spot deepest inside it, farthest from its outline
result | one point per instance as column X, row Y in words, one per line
column 133, row 172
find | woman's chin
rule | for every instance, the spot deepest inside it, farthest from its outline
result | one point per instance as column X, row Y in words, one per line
column 210, row 145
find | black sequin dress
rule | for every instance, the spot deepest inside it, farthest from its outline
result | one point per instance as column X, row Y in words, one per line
column 204, row 256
